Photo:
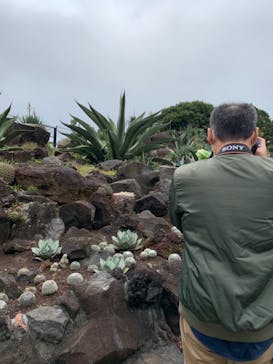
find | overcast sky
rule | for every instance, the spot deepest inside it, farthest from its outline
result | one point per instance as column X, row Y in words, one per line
column 160, row 52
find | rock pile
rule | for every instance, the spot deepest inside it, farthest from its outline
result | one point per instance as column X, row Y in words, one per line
column 89, row 316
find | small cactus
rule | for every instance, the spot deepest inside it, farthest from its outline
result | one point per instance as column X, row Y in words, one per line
column 148, row 253
column 7, row 172
column 151, row 253
column 63, row 261
column 95, row 248
column 103, row 245
column 144, row 255
column 177, row 231
column 75, row 265
column 110, row 248
column 92, row 268
column 128, row 254
column 130, row 261
column 174, row 258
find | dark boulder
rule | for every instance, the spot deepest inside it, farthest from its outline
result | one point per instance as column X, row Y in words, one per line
column 77, row 242
column 5, row 327
column 110, row 165
column 47, row 324
column 4, row 227
column 34, row 134
column 144, row 287
column 9, row 286
column 153, row 202
column 60, row 184
column 127, row 185
column 79, row 214
column 34, row 220
column 106, row 212
column 144, row 175
column 150, row 224
column 113, row 332
column 69, row 302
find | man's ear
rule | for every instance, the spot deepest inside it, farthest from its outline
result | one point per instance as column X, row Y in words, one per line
column 254, row 135
column 210, row 135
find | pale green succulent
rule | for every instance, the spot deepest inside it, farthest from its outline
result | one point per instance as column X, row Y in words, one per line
column 110, row 248
column 128, row 254
column 148, row 253
column 118, row 256
column 95, row 248
column 144, row 255
column 177, row 231
column 127, row 240
column 103, row 245
column 47, row 249
column 130, row 261
column 111, row 263
column 174, row 258
column 151, row 252
column 93, row 268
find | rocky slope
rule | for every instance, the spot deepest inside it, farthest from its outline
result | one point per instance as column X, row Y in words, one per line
column 93, row 317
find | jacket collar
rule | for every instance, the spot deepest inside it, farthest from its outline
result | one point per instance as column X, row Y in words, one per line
column 234, row 148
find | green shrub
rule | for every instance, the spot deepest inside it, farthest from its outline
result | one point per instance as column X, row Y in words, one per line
column 187, row 144
column 184, row 114
column 265, row 125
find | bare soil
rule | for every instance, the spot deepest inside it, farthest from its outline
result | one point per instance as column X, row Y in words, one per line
column 11, row 263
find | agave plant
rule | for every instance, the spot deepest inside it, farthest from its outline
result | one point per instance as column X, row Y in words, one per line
column 111, row 263
column 114, row 140
column 5, row 124
column 126, row 240
column 31, row 119
column 187, row 144
column 47, row 249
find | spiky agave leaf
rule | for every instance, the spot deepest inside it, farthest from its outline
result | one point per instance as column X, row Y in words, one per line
column 137, row 128
column 115, row 140
column 5, row 137
column 121, row 119
column 96, row 117
column 85, row 135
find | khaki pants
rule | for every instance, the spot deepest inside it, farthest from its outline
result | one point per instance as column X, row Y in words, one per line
column 196, row 353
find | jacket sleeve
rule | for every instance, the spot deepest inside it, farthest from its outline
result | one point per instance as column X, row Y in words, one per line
column 174, row 213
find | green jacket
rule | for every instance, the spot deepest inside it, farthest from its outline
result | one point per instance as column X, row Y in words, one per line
column 224, row 206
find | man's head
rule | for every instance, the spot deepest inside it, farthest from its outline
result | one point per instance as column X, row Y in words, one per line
column 233, row 121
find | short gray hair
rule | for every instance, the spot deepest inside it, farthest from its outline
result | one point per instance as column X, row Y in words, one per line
column 233, row 121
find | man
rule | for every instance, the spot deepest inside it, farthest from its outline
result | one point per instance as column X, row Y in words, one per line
column 224, row 206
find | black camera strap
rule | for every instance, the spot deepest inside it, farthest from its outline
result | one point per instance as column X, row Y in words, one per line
column 234, row 148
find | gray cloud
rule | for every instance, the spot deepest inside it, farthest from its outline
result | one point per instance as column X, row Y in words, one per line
column 161, row 52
